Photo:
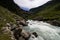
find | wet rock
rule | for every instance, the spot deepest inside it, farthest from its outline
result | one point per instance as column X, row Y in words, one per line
column 16, row 30
column 54, row 22
column 32, row 37
column 21, row 38
column 35, row 34
column 16, row 33
column 21, row 22
column 25, row 35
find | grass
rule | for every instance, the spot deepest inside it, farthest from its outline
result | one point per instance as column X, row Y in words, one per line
column 6, row 16
column 50, row 12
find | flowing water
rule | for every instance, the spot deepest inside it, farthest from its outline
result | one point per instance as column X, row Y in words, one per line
column 44, row 30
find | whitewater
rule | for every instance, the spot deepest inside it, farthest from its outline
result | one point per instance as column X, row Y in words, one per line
column 44, row 30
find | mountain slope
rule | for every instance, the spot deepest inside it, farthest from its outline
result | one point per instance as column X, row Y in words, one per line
column 49, row 13
column 5, row 17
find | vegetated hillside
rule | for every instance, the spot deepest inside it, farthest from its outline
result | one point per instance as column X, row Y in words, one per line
column 5, row 17
column 51, row 11
column 40, row 8
column 50, row 14
column 11, row 6
column 47, row 11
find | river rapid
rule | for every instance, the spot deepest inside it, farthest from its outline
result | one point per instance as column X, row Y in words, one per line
column 44, row 30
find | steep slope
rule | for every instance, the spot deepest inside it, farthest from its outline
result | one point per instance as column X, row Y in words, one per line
column 11, row 6
column 40, row 8
column 49, row 13
column 5, row 17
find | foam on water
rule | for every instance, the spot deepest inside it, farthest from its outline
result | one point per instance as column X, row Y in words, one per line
column 44, row 30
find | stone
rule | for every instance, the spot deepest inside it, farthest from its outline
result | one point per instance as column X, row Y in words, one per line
column 35, row 34
column 21, row 38
column 17, row 32
column 25, row 35
column 5, row 30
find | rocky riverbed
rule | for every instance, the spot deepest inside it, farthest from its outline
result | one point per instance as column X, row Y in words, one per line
column 54, row 22
column 17, row 31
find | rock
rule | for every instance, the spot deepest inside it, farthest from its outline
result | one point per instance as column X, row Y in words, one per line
column 5, row 30
column 32, row 37
column 17, row 32
column 25, row 35
column 54, row 22
column 21, row 22
column 13, row 27
column 21, row 38
column 35, row 34
column 8, row 24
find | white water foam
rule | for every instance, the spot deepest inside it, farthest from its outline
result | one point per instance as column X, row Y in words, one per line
column 44, row 30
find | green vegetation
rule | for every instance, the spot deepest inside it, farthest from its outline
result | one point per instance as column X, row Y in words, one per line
column 50, row 12
column 6, row 16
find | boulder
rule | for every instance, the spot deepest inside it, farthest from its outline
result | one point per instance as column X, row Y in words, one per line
column 35, row 34
column 25, row 34
column 21, row 22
